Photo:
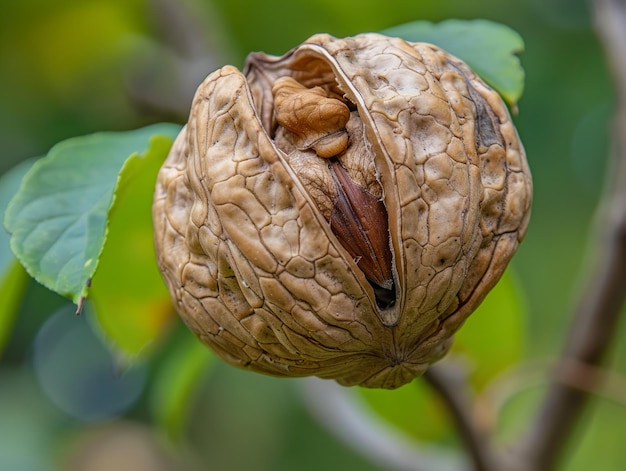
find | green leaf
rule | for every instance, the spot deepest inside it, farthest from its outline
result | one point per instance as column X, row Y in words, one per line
column 9, row 184
column 13, row 278
column 58, row 219
column 489, row 48
column 176, row 382
column 132, row 303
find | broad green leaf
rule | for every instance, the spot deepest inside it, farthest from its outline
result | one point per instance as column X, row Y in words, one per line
column 9, row 184
column 489, row 48
column 13, row 278
column 490, row 341
column 58, row 219
column 176, row 382
column 131, row 300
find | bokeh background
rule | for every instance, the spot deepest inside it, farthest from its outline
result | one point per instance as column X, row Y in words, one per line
column 72, row 67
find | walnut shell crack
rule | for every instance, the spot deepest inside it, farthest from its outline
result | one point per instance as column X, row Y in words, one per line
column 340, row 211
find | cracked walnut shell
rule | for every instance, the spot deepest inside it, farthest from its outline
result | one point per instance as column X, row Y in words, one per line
column 340, row 211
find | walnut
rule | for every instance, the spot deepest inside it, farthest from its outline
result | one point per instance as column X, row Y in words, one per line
column 340, row 211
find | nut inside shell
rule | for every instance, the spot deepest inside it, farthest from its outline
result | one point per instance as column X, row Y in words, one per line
column 339, row 211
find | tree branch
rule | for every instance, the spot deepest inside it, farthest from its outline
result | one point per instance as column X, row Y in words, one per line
column 343, row 413
column 597, row 313
column 452, row 386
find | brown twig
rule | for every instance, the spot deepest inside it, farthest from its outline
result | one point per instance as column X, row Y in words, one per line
column 597, row 313
column 452, row 386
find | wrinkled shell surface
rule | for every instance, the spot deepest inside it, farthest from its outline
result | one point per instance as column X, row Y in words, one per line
column 244, row 206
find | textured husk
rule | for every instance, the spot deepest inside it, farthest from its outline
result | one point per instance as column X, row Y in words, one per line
column 252, row 263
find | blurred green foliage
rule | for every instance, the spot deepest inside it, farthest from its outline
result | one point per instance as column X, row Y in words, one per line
column 73, row 67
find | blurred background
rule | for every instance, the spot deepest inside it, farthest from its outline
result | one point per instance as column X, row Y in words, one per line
column 72, row 67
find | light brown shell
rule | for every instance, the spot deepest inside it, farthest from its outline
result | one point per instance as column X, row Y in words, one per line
column 247, row 250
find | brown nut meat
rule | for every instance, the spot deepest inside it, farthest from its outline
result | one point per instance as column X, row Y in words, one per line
column 341, row 210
